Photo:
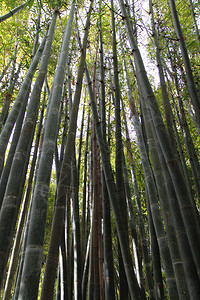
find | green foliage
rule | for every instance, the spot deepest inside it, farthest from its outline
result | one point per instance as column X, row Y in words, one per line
column 30, row 3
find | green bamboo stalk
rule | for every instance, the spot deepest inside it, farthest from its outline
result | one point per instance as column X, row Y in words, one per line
column 83, row 211
column 107, row 232
column 150, row 185
column 43, row 178
column 63, row 265
column 6, row 68
column 148, row 271
column 96, row 199
column 9, row 92
column 188, row 214
column 11, row 202
column 122, row 234
column 9, row 160
column 91, row 269
column 69, row 247
column 166, row 211
column 188, row 71
column 138, row 262
column 21, row 261
column 64, row 182
column 95, row 219
column 12, row 117
column 138, row 206
column 154, row 206
column 155, row 254
column 80, row 144
column 65, row 127
column 14, row 257
column 86, row 268
column 58, row 290
column 76, row 231
column 123, row 284
column 173, row 220
column 15, row 10
column 118, row 136
column 189, row 266
column 120, row 190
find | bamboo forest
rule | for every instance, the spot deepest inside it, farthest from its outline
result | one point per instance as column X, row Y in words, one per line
column 100, row 149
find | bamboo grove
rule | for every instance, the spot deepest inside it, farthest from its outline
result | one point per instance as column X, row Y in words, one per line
column 99, row 150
